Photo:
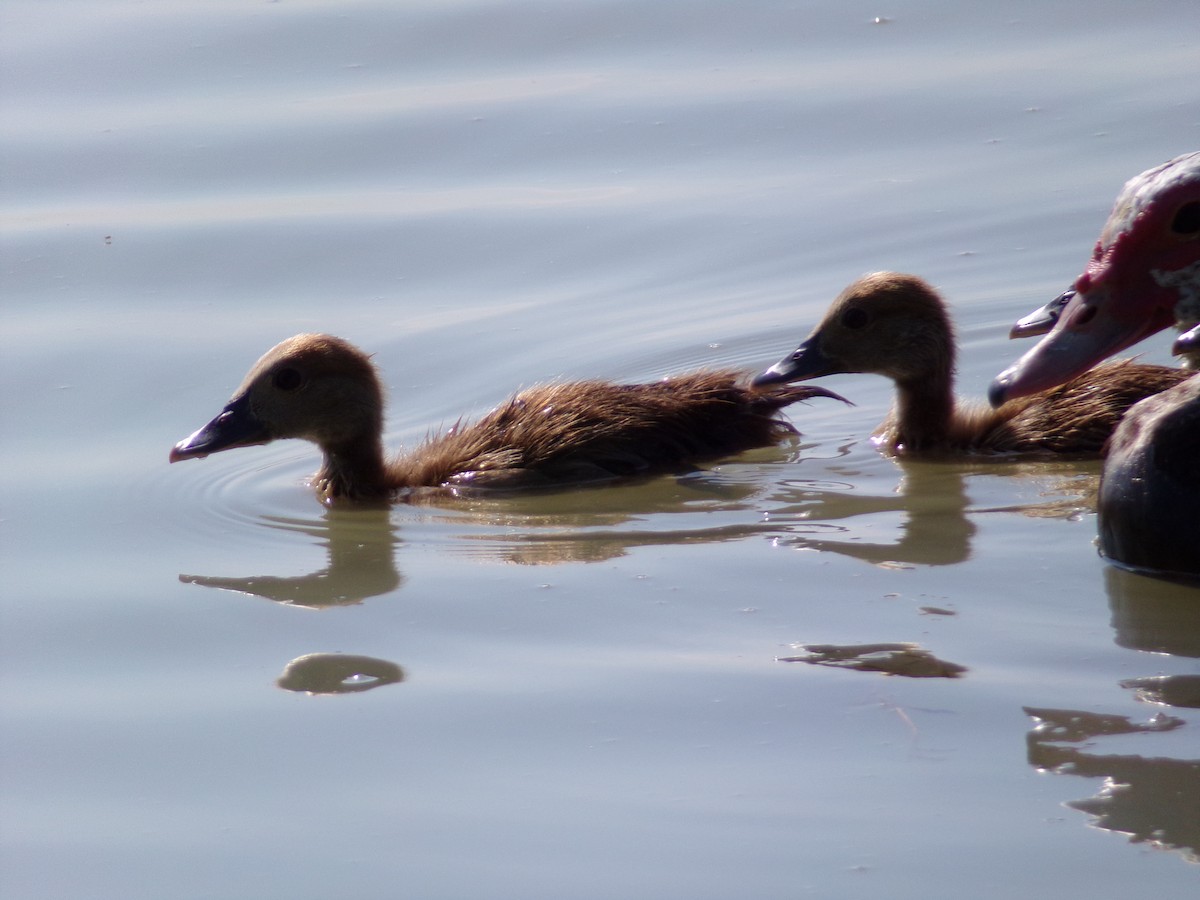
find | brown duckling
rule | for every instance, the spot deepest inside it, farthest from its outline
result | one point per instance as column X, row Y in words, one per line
column 896, row 325
column 325, row 390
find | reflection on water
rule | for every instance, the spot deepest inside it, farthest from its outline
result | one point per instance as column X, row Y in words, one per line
column 1154, row 614
column 579, row 526
column 1168, row 690
column 909, row 660
column 1151, row 799
column 929, row 512
column 338, row 673
column 360, row 545
column 499, row 194
column 935, row 528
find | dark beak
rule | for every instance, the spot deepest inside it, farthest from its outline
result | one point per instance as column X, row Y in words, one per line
column 809, row 391
column 807, row 361
column 1041, row 321
column 1089, row 328
column 236, row 426
column 1188, row 343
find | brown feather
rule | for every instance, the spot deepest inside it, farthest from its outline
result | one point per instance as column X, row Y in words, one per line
column 594, row 430
column 325, row 390
column 896, row 325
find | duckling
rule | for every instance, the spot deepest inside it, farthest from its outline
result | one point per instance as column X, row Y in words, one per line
column 1144, row 276
column 896, row 325
column 325, row 390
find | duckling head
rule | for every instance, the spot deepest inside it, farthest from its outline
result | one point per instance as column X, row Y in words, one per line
column 311, row 386
column 885, row 323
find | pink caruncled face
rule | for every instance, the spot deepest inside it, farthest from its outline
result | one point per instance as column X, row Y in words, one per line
column 1144, row 276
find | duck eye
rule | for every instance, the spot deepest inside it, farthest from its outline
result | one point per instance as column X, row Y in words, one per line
column 287, row 379
column 854, row 318
column 1187, row 219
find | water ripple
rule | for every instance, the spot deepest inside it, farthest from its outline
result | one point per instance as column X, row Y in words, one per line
column 241, row 493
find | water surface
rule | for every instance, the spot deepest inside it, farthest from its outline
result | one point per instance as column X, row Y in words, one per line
column 586, row 697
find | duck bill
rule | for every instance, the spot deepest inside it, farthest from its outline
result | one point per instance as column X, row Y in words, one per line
column 1090, row 328
column 1187, row 345
column 805, row 362
column 236, row 426
column 1042, row 321
column 810, row 391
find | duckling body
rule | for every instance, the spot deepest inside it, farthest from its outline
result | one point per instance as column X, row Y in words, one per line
column 896, row 325
column 325, row 390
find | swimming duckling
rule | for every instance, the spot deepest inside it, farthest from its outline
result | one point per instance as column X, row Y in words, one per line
column 325, row 390
column 896, row 325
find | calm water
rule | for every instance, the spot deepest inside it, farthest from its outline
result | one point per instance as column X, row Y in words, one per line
column 577, row 695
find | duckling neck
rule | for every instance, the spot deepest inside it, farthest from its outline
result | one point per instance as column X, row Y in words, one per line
column 924, row 411
column 354, row 470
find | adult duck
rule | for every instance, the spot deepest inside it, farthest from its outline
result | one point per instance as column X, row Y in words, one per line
column 1150, row 486
column 325, row 390
column 1043, row 319
column 897, row 325
column 1143, row 277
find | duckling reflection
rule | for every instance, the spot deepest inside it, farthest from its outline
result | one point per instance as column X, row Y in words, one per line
column 530, row 529
column 338, row 673
column 1152, row 800
column 574, row 527
column 938, row 527
column 905, row 659
column 360, row 544
column 932, row 498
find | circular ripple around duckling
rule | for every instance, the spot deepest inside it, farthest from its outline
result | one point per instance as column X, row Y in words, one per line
column 219, row 497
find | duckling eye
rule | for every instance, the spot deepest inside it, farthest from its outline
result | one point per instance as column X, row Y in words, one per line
column 1187, row 219
column 854, row 318
column 287, row 379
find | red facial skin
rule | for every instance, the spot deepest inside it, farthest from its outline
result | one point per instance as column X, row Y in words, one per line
column 1144, row 276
